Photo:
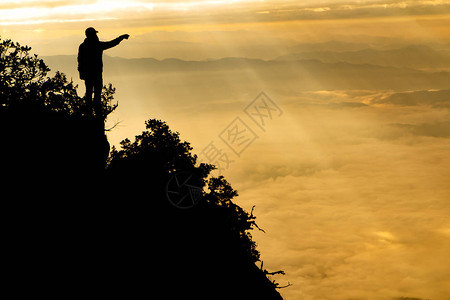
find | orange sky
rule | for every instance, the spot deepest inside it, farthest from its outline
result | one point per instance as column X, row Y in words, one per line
column 44, row 24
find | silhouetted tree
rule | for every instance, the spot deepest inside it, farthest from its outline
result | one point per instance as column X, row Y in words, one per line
column 160, row 151
column 236, row 220
column 159, row 142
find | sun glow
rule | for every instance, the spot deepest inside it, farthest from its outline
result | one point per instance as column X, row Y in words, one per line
column 100, row 10
column 37, row 12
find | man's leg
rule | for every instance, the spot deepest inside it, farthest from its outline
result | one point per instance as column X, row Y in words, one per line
column 89, row 83
column 98, row 86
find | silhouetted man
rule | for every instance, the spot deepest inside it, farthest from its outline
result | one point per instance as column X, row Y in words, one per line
column 90, row 65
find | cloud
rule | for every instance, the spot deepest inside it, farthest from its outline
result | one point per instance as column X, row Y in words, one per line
column 70, row 11
column 347, row 105
column 14, row 4
column 348, row 215
column 363, row 229
column 163, row 12
column 434, row 98
column 437, row 129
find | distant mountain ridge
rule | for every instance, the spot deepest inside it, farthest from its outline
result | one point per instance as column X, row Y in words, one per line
column 414, row 56
column 310, row 73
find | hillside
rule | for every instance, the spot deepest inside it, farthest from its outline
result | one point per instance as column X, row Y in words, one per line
column 114, row 232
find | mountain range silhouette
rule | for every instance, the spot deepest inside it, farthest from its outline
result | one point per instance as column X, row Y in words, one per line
column 407, row 68
column 84, row 220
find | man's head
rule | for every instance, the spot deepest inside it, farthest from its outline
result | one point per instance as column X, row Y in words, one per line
column 91, row 33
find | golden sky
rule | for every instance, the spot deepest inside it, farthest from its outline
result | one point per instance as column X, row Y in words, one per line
column 45, row 23
column 351, row 182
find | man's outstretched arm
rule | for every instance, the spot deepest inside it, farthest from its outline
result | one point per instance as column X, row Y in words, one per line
column 114, row 42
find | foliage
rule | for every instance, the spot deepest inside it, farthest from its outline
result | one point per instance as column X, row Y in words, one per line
column 159, row 143
column 24, row 83
column 161, row 148
column 237, row 220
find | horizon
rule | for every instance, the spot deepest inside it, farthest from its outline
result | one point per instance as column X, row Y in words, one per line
column 348, row 163
column 394, row 47
column 211, row 27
